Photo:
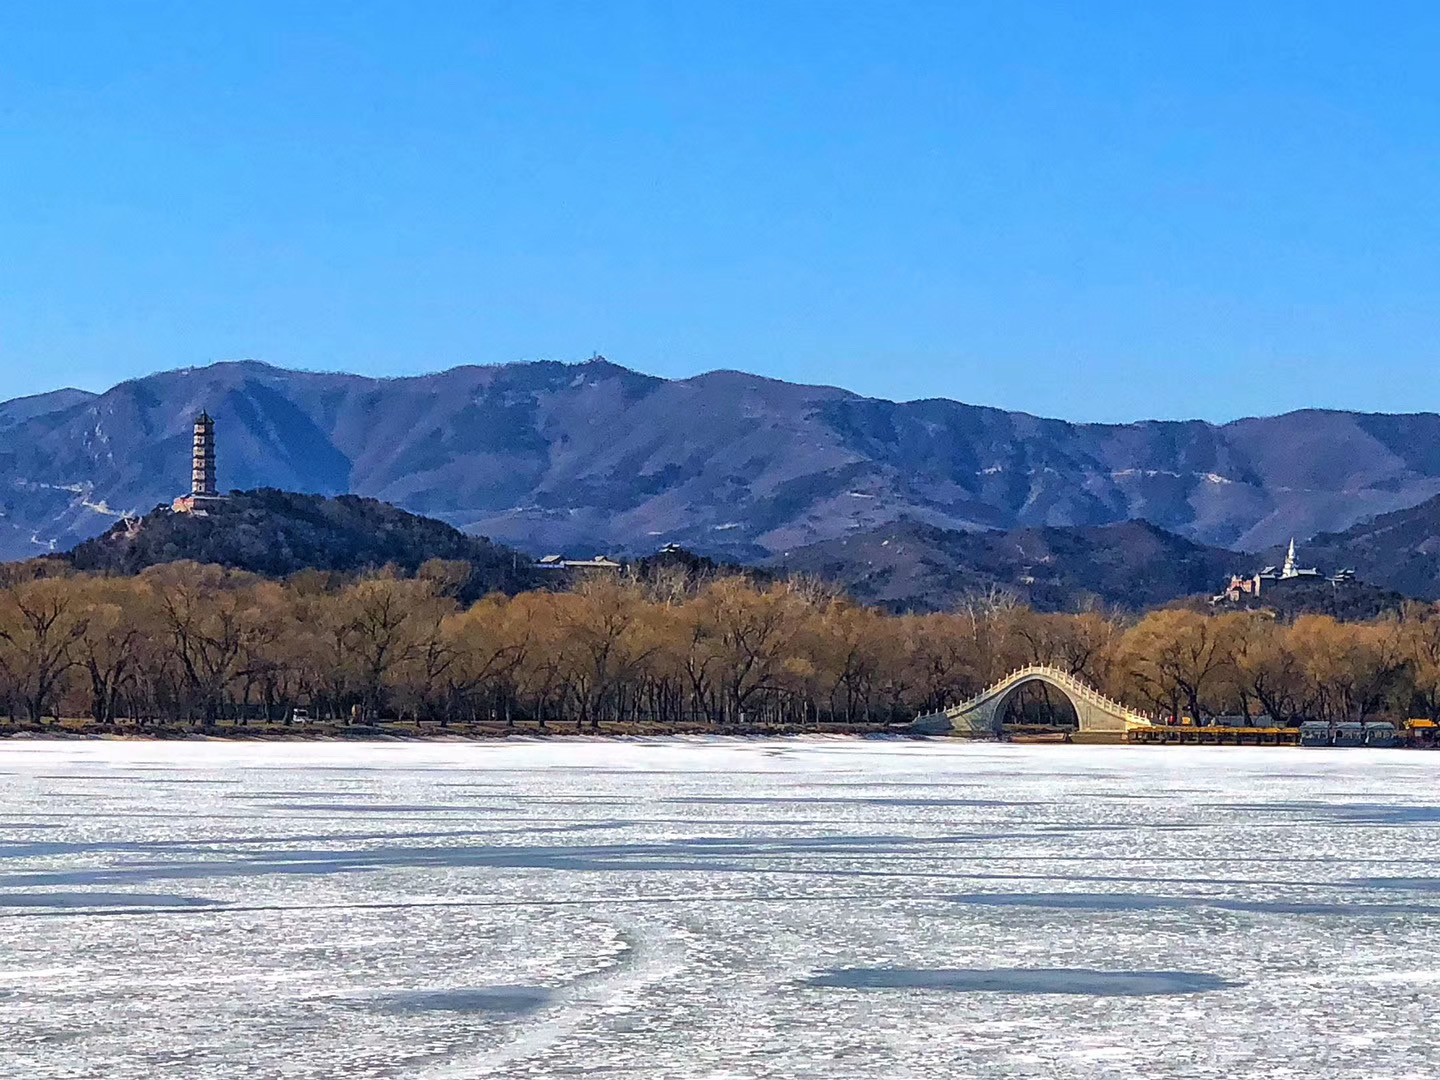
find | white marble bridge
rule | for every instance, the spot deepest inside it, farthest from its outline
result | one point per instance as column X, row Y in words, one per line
column 982, row 715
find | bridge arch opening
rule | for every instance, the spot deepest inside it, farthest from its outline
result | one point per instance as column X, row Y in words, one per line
column 1036, row 707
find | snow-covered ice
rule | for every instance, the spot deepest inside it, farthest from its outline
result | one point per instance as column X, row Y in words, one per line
column 719, row 909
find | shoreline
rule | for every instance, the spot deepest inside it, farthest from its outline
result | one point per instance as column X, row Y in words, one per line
column 454, row 734
column 374, row 738
column 75, row 730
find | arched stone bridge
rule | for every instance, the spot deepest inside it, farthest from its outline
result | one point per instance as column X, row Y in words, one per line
column 983, row 713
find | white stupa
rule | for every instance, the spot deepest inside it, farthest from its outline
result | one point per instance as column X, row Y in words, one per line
column 1290, row 570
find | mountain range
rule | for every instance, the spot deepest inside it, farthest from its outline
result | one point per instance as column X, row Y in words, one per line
column 589, row 457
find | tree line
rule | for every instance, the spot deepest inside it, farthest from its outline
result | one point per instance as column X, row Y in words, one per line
column 184, row 643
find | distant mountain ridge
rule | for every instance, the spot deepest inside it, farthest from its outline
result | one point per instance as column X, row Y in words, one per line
column 587, row 457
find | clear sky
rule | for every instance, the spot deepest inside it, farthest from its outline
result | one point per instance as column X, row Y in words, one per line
column 1092, row 210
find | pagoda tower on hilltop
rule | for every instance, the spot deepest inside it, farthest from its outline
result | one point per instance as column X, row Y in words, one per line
column 202, row 469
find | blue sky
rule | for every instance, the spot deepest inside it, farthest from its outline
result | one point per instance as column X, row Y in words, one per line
column 1101, row 211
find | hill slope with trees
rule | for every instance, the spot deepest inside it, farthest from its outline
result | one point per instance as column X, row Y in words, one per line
column 908, row 566
column 902, row 567
column 1399, row 550
column 279, row 533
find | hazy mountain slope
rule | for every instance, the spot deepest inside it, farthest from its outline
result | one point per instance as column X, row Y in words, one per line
column 908, row 566
column 552, row 456
column 18, row 410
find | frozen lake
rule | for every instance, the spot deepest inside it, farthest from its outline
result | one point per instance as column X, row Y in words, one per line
column 682, row 909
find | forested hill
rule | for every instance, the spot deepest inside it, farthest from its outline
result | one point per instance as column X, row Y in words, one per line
column 903, row 567
column 908, row 566
column 277, row 533
column 1400, row 551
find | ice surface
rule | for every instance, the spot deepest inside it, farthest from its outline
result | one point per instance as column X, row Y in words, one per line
column 716, row 909
column 1024, row 981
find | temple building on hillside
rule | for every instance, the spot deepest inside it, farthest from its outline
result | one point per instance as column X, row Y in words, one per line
column 1243, row 585
column 559, row 562
column 202, row 470
column 1290, row 571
